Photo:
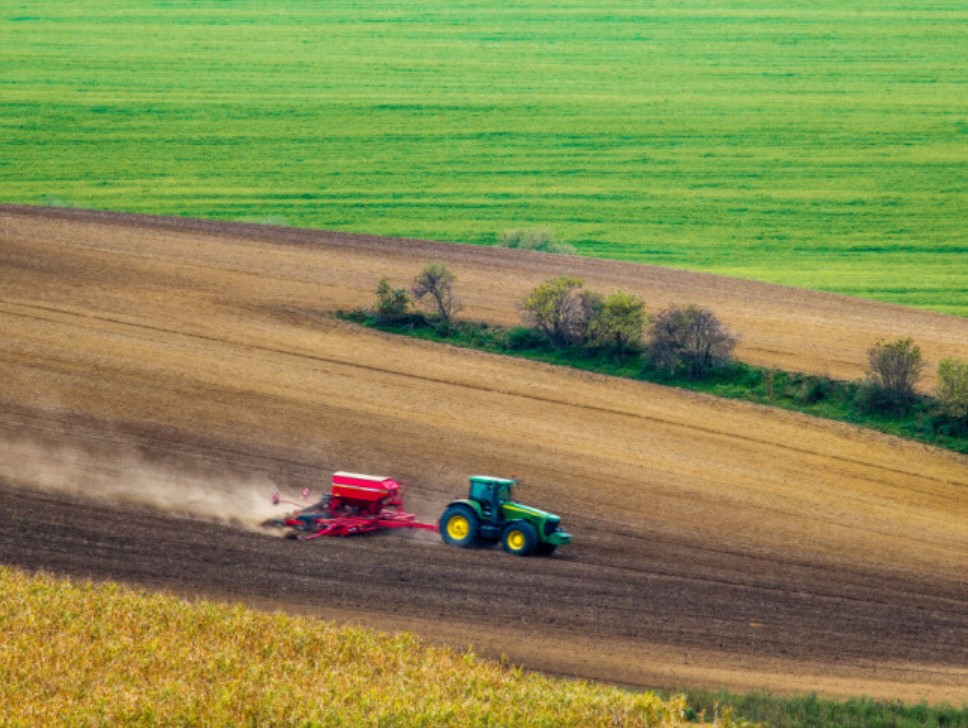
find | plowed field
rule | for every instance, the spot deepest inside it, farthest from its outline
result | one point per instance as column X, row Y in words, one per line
column 161, row 377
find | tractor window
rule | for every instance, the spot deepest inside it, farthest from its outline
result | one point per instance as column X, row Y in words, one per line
column 490, row 494
column 479, row 491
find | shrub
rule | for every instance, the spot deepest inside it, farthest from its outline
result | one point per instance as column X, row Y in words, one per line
column 617, row 323
column 690, row 339
column 812, row 390
column 522, row 337
column 391, row 303
column 433, row 288
column 58, row 201
column 770, row 377
column 540, row 239
column 953, row 388
column 560, row 310
column 870, row 397
column 893, row 371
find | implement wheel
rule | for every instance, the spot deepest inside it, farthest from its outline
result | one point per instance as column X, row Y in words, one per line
column 458, row 526
column 519, row 538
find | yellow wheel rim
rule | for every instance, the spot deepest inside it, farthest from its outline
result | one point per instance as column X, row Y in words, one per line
column 516, row 540
column 458, row 527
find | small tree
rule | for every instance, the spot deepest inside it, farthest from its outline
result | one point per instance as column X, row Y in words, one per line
column 559, row 310
column 391, row 303
column 953, row 388
column 433, row 288
column 893, row 370
column 618, row 323
column 690, row 339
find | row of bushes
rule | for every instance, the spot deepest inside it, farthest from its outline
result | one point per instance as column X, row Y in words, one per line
column 687, row 340
column 679, row 341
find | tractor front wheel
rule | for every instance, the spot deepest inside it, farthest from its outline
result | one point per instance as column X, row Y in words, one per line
column 458, row 527
column 519, row 538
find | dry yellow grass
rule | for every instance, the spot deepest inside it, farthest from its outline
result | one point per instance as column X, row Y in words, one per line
column 85, row 654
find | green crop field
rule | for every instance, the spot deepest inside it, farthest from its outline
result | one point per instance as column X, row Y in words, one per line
column 821, row 144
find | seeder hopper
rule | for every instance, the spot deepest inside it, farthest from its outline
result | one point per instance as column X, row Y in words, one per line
column 356, row 504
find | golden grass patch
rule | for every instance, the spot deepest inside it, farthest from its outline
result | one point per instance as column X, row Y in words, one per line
column 79, row 653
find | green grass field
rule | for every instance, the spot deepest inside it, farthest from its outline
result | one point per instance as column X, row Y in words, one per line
column 822, row 145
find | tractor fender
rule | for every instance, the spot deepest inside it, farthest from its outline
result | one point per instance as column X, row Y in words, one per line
column 473, row 505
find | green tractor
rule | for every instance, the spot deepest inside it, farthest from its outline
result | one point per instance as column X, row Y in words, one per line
column 489, row 515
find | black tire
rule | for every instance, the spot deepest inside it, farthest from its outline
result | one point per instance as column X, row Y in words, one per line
column 459, row 526
column 519, row 538
column 545, row 549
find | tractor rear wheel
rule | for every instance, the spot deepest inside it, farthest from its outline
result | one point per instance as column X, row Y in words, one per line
column 519, row 538
column 458, row 526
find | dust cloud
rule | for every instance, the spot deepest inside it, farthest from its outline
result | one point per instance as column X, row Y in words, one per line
column 126, row 477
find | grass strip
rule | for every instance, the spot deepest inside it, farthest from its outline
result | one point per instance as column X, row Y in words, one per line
column 806, row 393
column 812, row 712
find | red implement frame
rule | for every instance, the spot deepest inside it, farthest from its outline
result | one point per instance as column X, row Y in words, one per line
column 357, row 504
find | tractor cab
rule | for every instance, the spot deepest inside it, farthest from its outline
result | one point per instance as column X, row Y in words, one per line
column 491, row 494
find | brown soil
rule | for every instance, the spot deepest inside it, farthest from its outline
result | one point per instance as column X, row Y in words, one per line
column 162, row 376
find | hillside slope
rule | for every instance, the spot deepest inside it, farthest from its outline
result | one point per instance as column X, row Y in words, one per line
column 176, row 371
